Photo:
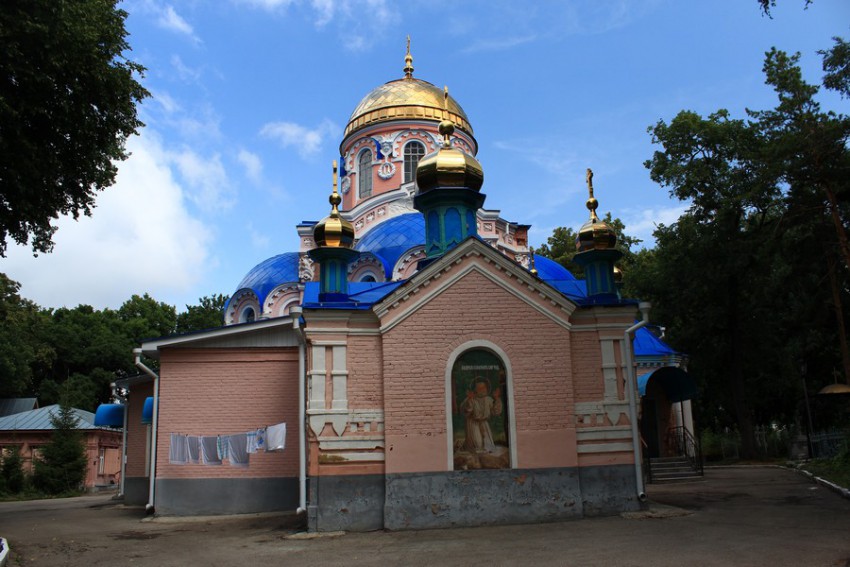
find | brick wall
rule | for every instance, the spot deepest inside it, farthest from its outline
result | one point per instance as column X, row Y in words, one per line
column 587, row 366
column 136, row 430
column 365, row 388
column 225, row 391
column 416, row 353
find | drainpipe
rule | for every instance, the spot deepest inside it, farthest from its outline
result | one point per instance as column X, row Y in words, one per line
column 631, row 385
column 295, row 313
column 137, row 352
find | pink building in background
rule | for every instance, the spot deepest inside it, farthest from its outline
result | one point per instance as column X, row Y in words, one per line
column 414, row 365
column 30, row 430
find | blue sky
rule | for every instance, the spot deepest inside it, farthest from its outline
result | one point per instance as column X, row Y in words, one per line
column 250, row 98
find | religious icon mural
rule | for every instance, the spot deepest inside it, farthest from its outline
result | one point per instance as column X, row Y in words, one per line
column 480, row 412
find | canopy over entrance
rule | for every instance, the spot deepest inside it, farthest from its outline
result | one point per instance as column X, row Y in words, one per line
column 676, row 383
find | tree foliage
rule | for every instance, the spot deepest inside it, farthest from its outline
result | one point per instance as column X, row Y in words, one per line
column 68, row 98
column 74, row 354
column 208, row 314
column 62, row 465
column 752, row 279
column 12, row 479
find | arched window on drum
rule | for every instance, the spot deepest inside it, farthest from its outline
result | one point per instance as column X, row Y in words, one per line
column 413, row 152
column 364, row 174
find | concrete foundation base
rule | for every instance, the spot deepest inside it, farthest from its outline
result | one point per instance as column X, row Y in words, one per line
column 136, row 490
column 213, row 496
column 468, row 498
column 348, row 503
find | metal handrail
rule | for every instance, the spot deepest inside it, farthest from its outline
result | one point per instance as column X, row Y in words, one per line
column 684, row 443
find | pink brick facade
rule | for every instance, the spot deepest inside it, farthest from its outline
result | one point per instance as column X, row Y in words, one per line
column 137, row 432
column 225, row 391
column 537, row 349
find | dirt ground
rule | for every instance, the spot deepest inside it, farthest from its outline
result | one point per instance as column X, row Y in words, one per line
column 736, row 516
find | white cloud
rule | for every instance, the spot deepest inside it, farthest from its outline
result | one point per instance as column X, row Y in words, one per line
column 258, row 239
column 642, row 223
column 140, row 238
column 552, row 158
column 186, row 73
column 169, row 19
column 253, row 165
column 307, row 141
column 356, row 20
column 498, row 44
column 210, row 188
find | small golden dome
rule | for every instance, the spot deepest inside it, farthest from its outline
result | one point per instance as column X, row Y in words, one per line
column 405, row 99
column 448, row 166
column 594, row 234
column 334, row 231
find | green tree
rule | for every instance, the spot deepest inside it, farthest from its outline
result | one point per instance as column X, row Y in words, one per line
column 742, row 280
column 68, row 98
column 23, row 354
column 12, row 471
column 208, row 314
column 62, row 466
column 144, row 317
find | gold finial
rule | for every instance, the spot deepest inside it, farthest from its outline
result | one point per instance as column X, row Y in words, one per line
column 446, row 127
column 335, row 198
column 408, row 62
column 592, row 203
column 334, row 231
column 533, row 268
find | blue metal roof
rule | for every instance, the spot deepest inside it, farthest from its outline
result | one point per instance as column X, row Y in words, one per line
column 147, row 411
column 549, row 270
column 111, row 415
column 40, row 419
column 647, row 344
column 677, row 384
column 11, row 406
column 392, row 238
column 269, row 274
column 361, row 295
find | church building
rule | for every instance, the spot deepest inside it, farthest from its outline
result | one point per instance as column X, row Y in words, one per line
column 413, row 364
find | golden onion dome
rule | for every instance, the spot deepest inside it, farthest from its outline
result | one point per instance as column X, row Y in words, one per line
column 594, row 234
column 448, row 166
column 334, row 231
column 406, row 99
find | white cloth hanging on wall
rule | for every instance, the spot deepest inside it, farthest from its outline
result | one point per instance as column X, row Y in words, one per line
column 276, row 437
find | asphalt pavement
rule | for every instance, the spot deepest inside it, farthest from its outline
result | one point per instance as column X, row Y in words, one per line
column 737, row 516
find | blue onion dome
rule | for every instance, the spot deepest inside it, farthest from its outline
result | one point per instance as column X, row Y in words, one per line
column 549, row 270
column 392, row 238
column 269, row 274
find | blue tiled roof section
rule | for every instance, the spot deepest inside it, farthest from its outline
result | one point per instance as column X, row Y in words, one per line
column 549, row 270
column 362, row 295
column 392, row 238
column 647, row 344
column 573, row 289
column 269, row 274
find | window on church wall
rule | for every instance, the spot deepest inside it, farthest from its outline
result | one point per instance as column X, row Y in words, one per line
column 471, row 224
column 453, row 228
column 413, row 152
column 433, row 231
column 248, row 315
column 364, row 174
column 480, row 431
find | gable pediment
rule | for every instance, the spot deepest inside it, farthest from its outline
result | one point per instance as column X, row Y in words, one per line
column 473, row 257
